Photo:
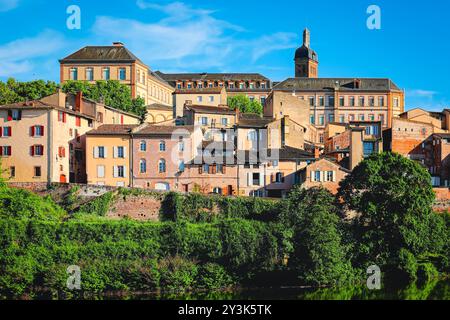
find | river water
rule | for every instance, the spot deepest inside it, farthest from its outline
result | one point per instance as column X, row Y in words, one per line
column 435, row 290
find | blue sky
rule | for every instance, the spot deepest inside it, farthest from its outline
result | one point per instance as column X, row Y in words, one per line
column 412, row 47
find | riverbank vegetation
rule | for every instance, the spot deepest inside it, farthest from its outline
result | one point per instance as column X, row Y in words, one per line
column 208, row 243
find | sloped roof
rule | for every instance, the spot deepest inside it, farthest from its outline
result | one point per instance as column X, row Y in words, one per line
column 343, row 84
column 212, row 76
column 113, row 129
column 149, row 129
column 159, row 106
column 102, row 53
column 216, row 90
column 210, row 109
column 253, row 121
column 41, row 105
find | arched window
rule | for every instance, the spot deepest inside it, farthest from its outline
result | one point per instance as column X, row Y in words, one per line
column 143, row 166
column 162, row 145
column 162, row 166
column 143, row 146
column 217, row 190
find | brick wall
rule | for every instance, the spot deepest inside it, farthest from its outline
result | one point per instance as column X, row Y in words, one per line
column 141, row 208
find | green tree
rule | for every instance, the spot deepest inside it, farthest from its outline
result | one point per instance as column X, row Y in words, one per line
column 392, row 197
column 14, row 91
column 112, row 93
column 245, row 105
column 319, row 256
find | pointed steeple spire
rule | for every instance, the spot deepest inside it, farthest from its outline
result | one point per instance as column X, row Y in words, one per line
column 306, row 38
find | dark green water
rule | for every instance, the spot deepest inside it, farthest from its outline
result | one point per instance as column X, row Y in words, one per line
column 435, row 290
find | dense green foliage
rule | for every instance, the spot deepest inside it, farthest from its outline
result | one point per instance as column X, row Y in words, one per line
column 395, row 225
column 196, row 207
column 245, row 105
column 119, row 255
column 319, row 255
column 17, row 203
column 14, row 91
column 209, row 242
column 112, row 93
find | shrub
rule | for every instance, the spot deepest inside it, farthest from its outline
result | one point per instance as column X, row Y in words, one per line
column 214, row 276
column 177, row 274
column 427, row 271
column 407, row 264
column 99, row 206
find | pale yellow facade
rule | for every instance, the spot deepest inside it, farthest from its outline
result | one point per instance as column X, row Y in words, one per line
column 199, row 97
column 158, row 115
column 63, row 121
column 135, row 74
column 55, row 165
column 104, row 170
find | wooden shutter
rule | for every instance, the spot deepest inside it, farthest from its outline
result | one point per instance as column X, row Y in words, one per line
column 32, row 150
column 42, row 130
column 10, row 131
column 282, row 178
column 9, row 115
column 105, row 152
column 95, row 152
column 125, row 152
column 42, row 148
column 125, row 174
column 1, row 151
column 9, row 150
column 200, row 169
column 249, row 179
column 32, row 131
column 115, row 152
column 20, row 115
column 313, row 176
column 334, row 176
column 115, row 171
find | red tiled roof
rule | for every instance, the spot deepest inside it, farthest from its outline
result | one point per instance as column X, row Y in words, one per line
column 167, row 130
column 210, row 109
column 113, row 129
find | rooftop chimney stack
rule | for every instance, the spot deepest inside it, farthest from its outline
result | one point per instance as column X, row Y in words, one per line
column 118, row 44
column 78, row 101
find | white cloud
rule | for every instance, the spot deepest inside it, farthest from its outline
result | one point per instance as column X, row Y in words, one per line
column 7, row 5
column 421, row 93
column 18, row 56
column 189, row 38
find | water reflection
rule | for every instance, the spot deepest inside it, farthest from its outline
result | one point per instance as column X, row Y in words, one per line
column 434, row 290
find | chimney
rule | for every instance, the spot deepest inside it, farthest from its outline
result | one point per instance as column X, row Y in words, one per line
column 316, row 152
column 61, row 98
column 118, row 44
column 306, row 38
column 78, row 101
column 356, row 147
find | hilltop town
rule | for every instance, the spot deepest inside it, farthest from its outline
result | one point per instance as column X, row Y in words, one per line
column 312, row 131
